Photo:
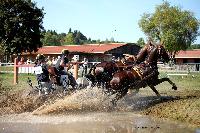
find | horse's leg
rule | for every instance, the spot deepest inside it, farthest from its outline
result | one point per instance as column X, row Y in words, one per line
column 154, row 90
column 119, row 95
column 174, row 87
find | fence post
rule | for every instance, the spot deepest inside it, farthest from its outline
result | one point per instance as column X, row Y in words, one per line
column 15, row 72
column 76, row 70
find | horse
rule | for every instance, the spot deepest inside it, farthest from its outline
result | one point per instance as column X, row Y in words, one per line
column 141, row 75
column 101, row 73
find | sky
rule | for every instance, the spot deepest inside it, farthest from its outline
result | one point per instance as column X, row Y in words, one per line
column 103, row 19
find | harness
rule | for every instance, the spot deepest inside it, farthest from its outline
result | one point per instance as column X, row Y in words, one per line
column 138, row 71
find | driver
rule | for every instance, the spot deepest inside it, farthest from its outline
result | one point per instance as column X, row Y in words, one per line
column 63, row 61
column 65, row 77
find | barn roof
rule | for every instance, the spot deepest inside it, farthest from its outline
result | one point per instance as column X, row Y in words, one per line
column 86, row 48
column 189, row 54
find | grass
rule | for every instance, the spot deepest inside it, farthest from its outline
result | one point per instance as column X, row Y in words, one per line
column 7, row 80
column 186, row 83
column 7, row 68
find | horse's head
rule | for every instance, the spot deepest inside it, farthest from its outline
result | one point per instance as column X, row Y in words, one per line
column 162, row 53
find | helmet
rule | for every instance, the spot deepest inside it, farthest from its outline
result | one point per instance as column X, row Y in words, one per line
column 65, row 51
column 40, row 57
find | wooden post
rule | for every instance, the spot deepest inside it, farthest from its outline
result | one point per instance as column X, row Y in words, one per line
column 76, row 70
column 15, row 71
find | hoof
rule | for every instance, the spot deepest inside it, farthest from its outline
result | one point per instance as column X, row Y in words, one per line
column 174, row 88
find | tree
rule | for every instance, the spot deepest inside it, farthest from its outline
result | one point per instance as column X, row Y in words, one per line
column 75, row 37
column 141, row 42
column 52, row 38
column 170, row 25
column 106, row 41
column 194, row 46
column 70, row 30
column 61, row 37
column 79, row 38
column 112, row 40
column 69, row 39
column 20, row 26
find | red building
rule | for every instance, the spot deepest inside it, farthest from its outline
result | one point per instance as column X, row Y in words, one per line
column 93, row 52
column 188, row 57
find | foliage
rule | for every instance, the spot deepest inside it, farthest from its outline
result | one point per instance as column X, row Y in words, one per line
column 141, row 42
column 20, row 26
column 170, row 25
column 75, row 37
column 79, row 38
column 52, row 38
column 69, row 39
column 194, row 46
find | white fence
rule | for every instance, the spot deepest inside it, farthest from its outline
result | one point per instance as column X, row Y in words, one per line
column 192, row 67
column 29, row 68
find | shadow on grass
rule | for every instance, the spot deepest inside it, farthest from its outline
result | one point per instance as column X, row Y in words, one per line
column 139, row 103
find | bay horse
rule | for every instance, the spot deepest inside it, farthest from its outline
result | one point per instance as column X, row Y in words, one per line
column 101, row 73
column 141, row 75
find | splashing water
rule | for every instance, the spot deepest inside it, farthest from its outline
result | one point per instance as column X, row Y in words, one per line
column 83, row 100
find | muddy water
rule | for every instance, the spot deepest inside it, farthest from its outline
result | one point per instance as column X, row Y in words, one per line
column 90, row 111
column 110, row 122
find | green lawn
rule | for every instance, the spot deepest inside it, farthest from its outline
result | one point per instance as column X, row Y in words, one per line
column 6, row 68
column 191, row 81
column 8, row 78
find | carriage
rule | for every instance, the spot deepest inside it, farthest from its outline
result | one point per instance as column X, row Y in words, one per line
column 51, row 77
